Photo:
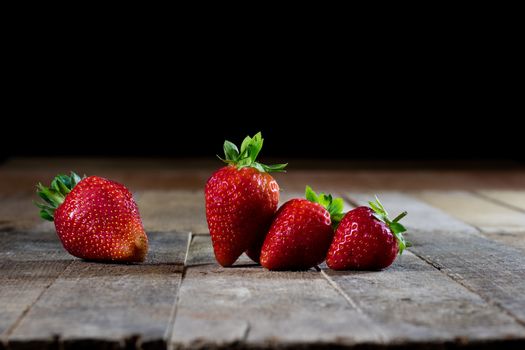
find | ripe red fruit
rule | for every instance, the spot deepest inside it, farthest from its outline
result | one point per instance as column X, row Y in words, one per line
column 241, row 200
column 95, row 218
column 366, row 239
column 301, row 232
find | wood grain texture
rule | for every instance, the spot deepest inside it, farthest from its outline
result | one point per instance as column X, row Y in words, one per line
column 249, row 306
column 514, row 199
column 453, row 288
column 29, row 263
column 490, row 269
column 18, row 213
column 173, row 210
column 421, row 217
column 109, row 304
column 494, row 218
column 19, row 176
column 383, row 178
column 489, row 217
column 415, row 303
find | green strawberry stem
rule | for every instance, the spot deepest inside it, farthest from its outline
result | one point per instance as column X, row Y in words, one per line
column 333, row 205
column 394, row 225
column 250, row 148
column 55, row 194
column 400, row 216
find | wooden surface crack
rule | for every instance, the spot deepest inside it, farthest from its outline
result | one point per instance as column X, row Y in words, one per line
column 382, row 337
column 340, row 291
column 455, row 277
column 173, row 315
column 246, row 333
column 460, row 285
column 12, row 328
column 497, row 201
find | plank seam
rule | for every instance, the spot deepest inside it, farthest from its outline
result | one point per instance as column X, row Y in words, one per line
column 442, row 269
column 350, row 200
column 497, row 202
column 479, row 232
column 378, row 331
column 190, row 239
column 247, row 330
column 334, row 285
column 452, row 276
column 342, row 292
column 12, row 328
column 171, row 324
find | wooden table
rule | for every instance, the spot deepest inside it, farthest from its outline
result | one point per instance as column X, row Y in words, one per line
column 462, row 283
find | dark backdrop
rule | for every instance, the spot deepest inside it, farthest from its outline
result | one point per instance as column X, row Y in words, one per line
column 417, row 99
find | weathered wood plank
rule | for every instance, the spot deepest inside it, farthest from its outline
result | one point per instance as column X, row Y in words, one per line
column 489, row 217
column 18, row 213
column 413, row 315
column 398, row 178
column 512, row 198
column 490, row 269
column 421, row 217
column 416, row 303
column 222, row 307
column 21, row 175
column 495, row 221
column 173, row 210
column 29, row 263
column 109, row 304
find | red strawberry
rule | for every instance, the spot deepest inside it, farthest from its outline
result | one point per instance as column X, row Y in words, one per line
column 95, row 218
column 301, row 232
column 241, row 200
column 366, row 239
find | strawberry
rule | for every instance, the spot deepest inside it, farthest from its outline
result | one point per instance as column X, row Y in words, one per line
column 241, row 200
column 301, row 232
column 95, row 218
column 366, row 239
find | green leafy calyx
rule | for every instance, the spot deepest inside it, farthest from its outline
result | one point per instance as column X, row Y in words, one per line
column 55, row 194
column 246, row 157
column 397, row 229
column 333, row 205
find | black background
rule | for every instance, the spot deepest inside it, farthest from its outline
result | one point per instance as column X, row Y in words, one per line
column 434, row 96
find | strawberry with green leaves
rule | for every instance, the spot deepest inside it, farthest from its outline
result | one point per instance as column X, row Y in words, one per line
column 366, row 239
column 301, row 232
column 241, row 200
column 95, row 218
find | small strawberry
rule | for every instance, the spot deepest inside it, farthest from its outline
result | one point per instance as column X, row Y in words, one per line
column 301, row 232
column 366, row 239
column 241, row 199
column 95, row 218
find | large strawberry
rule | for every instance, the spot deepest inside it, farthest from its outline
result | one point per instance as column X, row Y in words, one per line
column 95, row 218
column 366, row 239
column 241, row 199
column 301, row 232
